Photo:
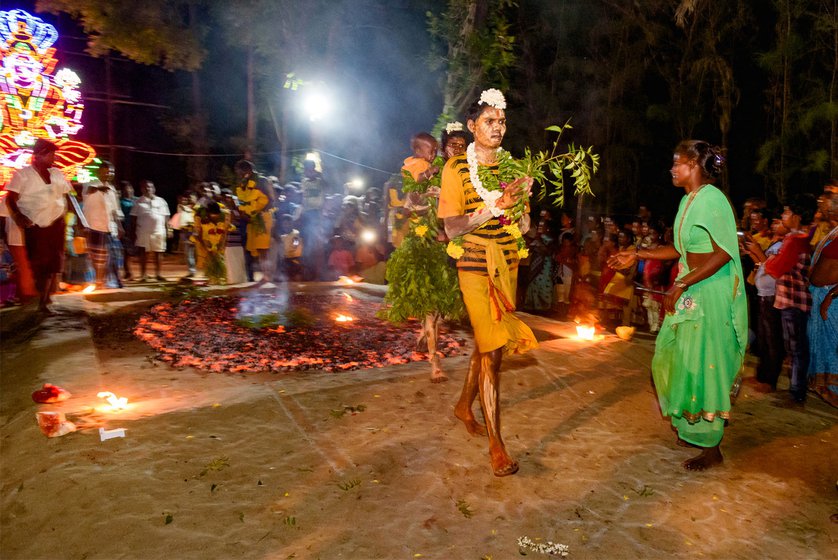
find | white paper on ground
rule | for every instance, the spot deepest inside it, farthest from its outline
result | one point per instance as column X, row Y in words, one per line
column 110, row 434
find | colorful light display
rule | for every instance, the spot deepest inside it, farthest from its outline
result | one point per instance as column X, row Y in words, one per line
column 37, row 102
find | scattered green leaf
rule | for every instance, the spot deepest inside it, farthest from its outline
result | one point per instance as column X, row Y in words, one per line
column 216, row 464
column 183, row 291
column 349, row 484
column 644, row 491
column 465, row 509
column 348, row 409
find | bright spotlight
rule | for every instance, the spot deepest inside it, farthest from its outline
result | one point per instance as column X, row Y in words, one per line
column 356, row 184
column 316, row 105
column 368, row 236
column 315, row 157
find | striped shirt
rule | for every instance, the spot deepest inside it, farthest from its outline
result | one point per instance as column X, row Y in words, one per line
column 457, row 198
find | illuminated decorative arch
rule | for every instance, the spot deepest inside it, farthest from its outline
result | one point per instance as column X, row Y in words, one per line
column 36, row 101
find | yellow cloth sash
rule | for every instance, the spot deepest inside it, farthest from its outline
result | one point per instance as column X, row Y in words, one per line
column 495, row 324
column 500, row 286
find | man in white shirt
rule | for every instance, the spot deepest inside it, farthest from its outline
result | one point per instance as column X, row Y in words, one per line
column 151, row 217
column 104, row 216
column 37, row 202
column 25, row 284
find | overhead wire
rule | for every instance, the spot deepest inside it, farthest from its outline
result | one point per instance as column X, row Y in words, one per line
column 275, row 152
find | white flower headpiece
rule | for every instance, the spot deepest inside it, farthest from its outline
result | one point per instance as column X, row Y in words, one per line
column 455, row 126
column 494, row 98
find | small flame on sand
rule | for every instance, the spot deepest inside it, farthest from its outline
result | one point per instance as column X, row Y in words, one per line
column 347, row 296
column 584, row 332
column 89, row 289
column 344, row 318
column 117, row 403
column 345, row 280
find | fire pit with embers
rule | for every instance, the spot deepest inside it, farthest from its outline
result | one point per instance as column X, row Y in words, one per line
column 328, row 332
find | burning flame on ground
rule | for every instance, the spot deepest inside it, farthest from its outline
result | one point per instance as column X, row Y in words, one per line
column 344, row 318
column 116, row 403
column 89, row 289
column 584, row 332
column 347, row 296
column 345, row 280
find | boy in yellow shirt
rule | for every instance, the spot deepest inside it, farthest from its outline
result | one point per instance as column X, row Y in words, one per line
column 211, row 237
column 419, row 166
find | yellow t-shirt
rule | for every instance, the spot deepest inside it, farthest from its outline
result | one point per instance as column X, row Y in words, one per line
column 251, row 199
column 764, row 241
column 415, row 166
column 214, row 235
column 252, row 202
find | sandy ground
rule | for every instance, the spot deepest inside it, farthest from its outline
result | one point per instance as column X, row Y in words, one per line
column 279, row 467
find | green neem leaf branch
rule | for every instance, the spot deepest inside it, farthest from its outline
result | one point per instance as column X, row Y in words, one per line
column 549, row 169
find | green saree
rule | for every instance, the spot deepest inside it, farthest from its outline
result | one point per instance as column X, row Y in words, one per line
column 700, row 347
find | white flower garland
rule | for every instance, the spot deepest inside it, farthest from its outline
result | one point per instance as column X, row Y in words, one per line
column 550, row 548
column 493, row 97
column 455, row 126
column 490, row 198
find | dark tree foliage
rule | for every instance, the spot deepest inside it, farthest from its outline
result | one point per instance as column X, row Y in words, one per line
column 758, row 78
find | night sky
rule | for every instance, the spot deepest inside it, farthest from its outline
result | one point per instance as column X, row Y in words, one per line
column 382, row 94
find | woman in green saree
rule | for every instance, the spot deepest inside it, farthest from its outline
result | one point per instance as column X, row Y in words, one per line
column 701, row 344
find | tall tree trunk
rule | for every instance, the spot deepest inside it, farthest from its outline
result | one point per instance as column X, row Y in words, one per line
column 456, row 100
column 197, row 166
column 251, row 104
column 110, row 103
column 281, row 138
column 786, row 99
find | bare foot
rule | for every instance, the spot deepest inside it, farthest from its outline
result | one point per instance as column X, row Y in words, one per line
column 503, row 464
column 46, row 310
column 708, row 457
column 438, row 376
column 473, row 427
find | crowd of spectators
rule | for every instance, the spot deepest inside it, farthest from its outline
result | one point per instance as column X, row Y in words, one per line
column 306, row 230
column 268, row 232
column 567, row 277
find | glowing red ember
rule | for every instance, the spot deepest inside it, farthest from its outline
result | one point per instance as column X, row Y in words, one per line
column 207, row 334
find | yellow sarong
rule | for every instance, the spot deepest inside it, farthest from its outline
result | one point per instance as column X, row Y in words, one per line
column 490, row 301
column 259, row 234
